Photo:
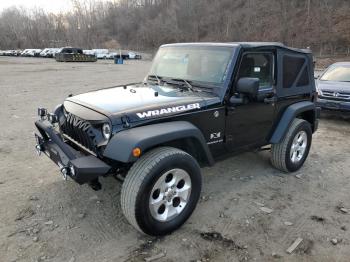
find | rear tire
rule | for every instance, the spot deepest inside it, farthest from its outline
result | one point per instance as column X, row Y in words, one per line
column 290, row 154
column 161, row 190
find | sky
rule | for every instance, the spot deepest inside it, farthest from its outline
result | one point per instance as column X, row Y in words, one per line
column 54, row 6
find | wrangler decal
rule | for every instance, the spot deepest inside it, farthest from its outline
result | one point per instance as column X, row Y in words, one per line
column 168, row 110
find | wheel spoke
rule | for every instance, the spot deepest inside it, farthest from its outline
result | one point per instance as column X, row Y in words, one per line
column 164, row 216
column 179, row 175
column 294, row 156
column 156, row 203
column 163, row 186
column 302, row 138
column 183, row 193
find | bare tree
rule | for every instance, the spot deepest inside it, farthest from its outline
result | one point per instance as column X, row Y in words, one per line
column 145, row 24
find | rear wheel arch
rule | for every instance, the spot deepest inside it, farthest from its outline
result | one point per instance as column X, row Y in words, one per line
column 305, row 110
column 309, row 116
column 290, row 154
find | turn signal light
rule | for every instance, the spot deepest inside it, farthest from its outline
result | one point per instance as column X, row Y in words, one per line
column 136, row 152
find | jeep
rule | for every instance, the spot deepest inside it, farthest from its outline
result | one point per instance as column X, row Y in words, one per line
column 199, row 103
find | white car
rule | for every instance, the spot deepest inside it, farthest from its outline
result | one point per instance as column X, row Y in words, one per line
column 31, row 52
column 25, row 52
column 88, row 52
column 101, row 53
column 52, row 52
column 132, row 55
column 45, row 52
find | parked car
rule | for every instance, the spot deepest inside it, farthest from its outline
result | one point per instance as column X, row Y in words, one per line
column 198, row 103
column 11, row 52
column 31, row 52
column 111, row 55
column 88, row 52
column 133, row 55
column 49, row 52
column 72, row 54
column 101, row 53
column 127, row 55
column 44, row 52
column 53, row 52
column 333, row 88
column 25, row 51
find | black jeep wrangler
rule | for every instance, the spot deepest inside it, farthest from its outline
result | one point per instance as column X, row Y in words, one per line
column 199, row 102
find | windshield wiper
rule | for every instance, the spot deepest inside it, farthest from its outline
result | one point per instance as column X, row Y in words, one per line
column 155, row 77
column 182, row 83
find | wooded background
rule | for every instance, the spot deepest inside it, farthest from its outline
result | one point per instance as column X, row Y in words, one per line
column 323, row 25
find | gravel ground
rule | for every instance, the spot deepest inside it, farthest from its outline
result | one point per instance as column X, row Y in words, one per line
column 248, row 211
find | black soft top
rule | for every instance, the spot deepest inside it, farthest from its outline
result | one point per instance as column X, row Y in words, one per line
column 245, row 45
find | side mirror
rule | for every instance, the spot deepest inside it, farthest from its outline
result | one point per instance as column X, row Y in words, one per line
column 248, row 86
column 234, row 101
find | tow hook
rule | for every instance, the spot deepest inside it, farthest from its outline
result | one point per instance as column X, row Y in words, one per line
column 64, row 172
column 38, row 149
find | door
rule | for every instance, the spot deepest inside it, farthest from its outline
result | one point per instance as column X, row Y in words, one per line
column 250, row 123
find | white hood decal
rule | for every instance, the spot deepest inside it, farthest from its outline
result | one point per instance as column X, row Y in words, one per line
column 168, row 110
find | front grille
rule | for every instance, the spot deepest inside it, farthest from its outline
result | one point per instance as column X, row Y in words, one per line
column 79, row 131
column 334, row 95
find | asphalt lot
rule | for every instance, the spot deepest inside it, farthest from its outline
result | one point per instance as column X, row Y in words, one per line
column 43, row 218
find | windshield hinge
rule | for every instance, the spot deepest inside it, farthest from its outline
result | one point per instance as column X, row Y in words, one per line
column 125, row 121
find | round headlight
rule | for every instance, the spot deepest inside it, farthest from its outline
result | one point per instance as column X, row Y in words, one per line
column 106, row 131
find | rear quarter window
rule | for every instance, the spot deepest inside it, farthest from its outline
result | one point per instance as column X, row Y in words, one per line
column 294, row 71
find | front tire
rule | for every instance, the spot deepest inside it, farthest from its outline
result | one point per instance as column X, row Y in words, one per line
column 290, row 154
column 161, row 190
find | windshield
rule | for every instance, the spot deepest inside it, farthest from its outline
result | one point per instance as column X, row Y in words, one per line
column 338, row 73
column 193, row 63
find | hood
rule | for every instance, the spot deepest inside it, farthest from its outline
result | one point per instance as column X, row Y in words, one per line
column 342, row 87
column 142, row 102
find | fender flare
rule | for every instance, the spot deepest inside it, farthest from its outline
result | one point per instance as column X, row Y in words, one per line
column 121, row 144
column 289, row 114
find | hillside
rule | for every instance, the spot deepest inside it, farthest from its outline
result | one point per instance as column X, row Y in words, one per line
column 323, row 25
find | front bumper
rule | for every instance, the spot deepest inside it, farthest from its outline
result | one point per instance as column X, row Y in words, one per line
column 81, row 168
column 333, row 105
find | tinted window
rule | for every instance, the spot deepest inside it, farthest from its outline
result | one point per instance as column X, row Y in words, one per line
column 258, row 65
column 291, row 69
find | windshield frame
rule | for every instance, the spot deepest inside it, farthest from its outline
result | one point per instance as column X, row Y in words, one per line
column 217, row 88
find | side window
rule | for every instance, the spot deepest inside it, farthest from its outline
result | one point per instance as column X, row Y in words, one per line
column 294, row 71
column 258, row 65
